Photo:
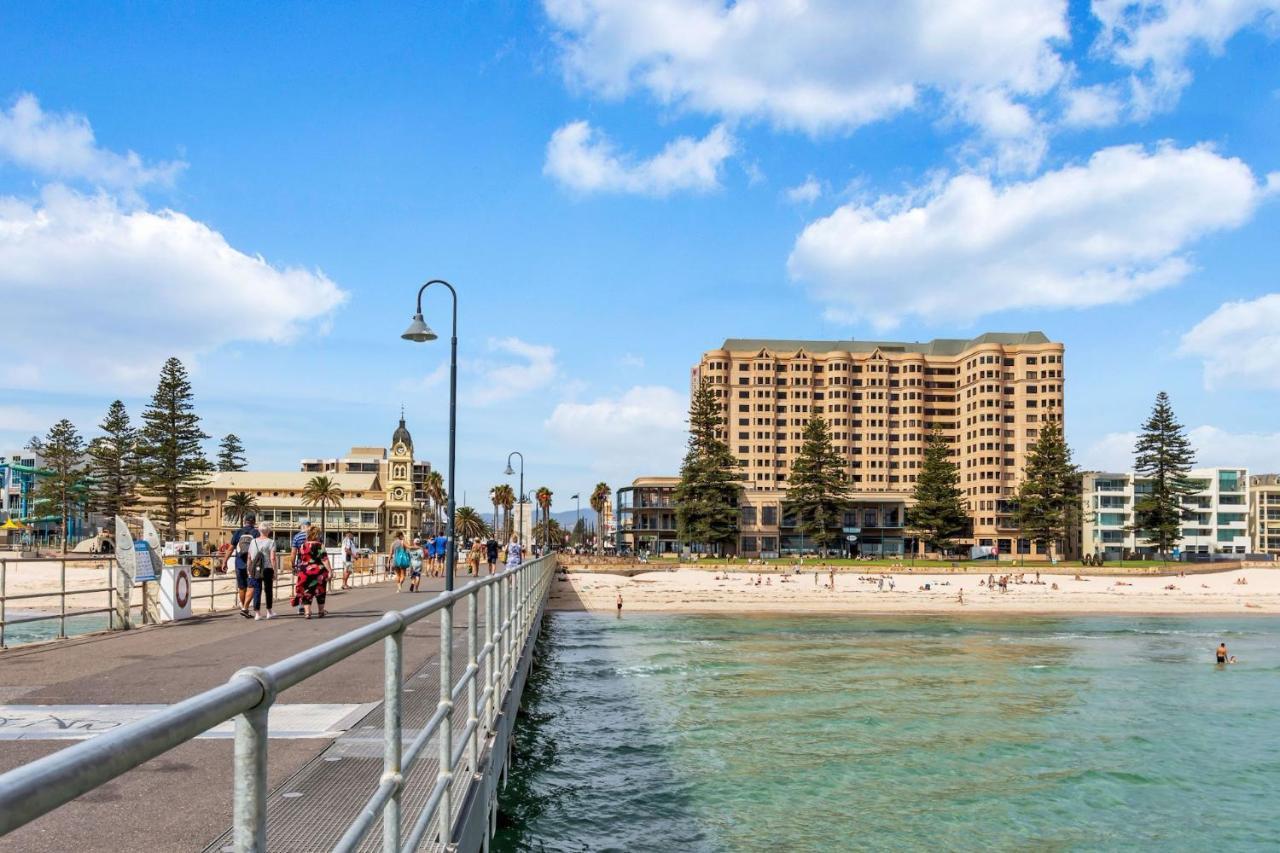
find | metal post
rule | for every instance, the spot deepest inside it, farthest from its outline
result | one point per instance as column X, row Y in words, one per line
column 391, row 725
column 4, row 564
column 445, row 732
column 111, row 596
column 473, row 718
column 62, row 600
column 249, row 833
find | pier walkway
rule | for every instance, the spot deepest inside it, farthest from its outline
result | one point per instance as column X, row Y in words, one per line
column 327, row 750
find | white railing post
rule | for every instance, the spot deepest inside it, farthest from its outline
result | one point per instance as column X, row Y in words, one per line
column 473, row 666
column 445, row 733
column 391, row 723
column 249, row 832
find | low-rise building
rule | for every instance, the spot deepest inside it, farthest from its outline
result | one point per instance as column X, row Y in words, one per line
column 378, row 497
column 1216, row 522
column 1264, row 513
column 646, row 516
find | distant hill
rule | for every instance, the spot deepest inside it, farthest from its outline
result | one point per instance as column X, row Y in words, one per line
column 567, row 518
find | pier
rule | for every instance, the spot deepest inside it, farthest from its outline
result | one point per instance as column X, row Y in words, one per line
column 384, row 726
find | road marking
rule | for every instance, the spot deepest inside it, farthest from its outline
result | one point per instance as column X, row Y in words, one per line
column 79, row 722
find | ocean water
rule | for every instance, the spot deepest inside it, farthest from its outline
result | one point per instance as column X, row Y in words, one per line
column 808, row 733
column 34, row 632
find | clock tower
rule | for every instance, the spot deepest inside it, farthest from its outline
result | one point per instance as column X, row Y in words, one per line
column 401, row 513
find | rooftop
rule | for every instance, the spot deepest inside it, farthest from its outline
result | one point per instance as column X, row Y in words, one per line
column 937, row 346
column 249, row 481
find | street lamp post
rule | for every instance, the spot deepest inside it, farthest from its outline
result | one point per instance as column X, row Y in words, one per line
column 509, row 472
column 420, row 332
column 578, row 500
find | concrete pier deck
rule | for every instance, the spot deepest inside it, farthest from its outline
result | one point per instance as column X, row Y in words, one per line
column 182, row 800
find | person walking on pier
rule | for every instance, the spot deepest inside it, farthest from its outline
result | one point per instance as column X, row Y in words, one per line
column 515, row 554
column 240, row 542
column 400, row 559
column 313, row 575
column 348, row 559
column 295, row 552
column 491, row 554
column 262, row 570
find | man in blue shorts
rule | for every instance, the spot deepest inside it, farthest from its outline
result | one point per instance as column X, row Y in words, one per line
column 240, row 543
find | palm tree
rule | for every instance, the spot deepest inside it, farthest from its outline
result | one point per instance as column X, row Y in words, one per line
column 434, row 487
column 322, row 491
column 496, row 500
column 543, row 497
column 238, row 505
column 468, row 524
column 599, row 500
column 506, row 498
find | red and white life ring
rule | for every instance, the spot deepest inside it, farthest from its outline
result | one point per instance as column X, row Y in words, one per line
column 182, row 589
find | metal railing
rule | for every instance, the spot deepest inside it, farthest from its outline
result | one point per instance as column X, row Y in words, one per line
column 512, row 603
column 218, row 586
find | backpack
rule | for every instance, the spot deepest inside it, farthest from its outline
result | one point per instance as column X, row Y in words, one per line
column 258, row 565
column 242, row 544
column 401, row 559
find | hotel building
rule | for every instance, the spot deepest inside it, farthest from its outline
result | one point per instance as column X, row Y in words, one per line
column 1264, row 513
column 988, row 396
column 379, row 487
column 1217, row 519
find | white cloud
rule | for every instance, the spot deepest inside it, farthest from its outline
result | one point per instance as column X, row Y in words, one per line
column 1239, row 343
column 532, row 366
column 815, row 66
column 1214, row 447
column 1092, row 106
column 1155, row 37
column 1106, row 231
column 120, row 289
column 583, row 159
column 642, row 431
column 806, row 193
column 62, row 146
column 631, row 360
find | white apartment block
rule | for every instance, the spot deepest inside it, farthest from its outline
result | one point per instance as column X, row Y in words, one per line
column 1217, row 522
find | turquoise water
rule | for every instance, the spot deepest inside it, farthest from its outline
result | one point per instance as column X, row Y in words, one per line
column 33, row 632
column 675, row 732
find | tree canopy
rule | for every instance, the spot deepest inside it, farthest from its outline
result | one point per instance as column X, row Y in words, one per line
column 1163, row 457
column 939, row 513
column 817, row 492
column 709, row 491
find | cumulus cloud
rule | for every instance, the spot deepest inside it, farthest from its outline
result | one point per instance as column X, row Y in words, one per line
column 1154, row 37
column 63, row 146
column 641, row 431
column 583, row 159
column 521, row 368
column 120, row 289
column 815, row 66
column 1105, row 231
column 806, row 193
column 1215, row 448
column 1239, row 343
column 1092, row 106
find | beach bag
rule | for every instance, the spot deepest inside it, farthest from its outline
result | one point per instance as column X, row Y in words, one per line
column 401, row 560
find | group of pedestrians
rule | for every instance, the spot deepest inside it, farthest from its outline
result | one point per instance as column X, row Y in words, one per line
column 409, row 559
column 257, row 564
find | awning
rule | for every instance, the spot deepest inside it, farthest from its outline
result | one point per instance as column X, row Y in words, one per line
column 10, row 524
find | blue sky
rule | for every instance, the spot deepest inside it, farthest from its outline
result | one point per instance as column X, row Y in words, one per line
column 615, row 188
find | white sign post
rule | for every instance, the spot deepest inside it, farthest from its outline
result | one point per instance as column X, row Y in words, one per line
column 124, row 572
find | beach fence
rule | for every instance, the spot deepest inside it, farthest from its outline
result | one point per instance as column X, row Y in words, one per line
column 56, row 590
column 471, row 726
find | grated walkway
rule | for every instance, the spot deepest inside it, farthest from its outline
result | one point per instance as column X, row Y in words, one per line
column 311, row 810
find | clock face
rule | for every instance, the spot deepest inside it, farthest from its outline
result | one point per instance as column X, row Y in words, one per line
column 399, row 493
column 400, row 449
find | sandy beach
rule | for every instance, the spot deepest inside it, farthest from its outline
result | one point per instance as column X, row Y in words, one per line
column 859, row 590
column 39, row 576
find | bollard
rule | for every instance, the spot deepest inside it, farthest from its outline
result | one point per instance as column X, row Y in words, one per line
column 391, row 724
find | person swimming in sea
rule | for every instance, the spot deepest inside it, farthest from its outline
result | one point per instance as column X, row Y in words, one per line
column 1222, row 653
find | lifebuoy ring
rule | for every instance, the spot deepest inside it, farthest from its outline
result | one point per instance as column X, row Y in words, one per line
column 182, row 589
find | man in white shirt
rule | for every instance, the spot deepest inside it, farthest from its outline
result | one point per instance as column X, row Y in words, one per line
column 348, row 560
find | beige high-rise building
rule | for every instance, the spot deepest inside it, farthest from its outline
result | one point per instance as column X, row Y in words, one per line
column 988, row 396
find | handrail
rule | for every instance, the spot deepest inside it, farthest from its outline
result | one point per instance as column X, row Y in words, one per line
column 512, row 600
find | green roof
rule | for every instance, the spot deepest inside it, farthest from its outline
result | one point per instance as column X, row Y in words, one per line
column 937, row 346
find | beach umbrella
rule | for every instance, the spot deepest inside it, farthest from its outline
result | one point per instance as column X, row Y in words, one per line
column 11, row 524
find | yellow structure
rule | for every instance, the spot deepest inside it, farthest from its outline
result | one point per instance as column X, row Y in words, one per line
column 1264, row 513
column 378, row 488
column 988, row 396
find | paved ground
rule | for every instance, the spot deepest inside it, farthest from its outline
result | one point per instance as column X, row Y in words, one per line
column 182, row 800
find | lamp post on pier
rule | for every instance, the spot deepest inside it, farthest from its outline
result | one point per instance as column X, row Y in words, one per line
column 520, row 493
column 420, row 332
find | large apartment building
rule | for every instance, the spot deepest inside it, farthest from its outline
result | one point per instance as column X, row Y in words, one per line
column 1264, row 513
column 1216, row 520
column 988, row 396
